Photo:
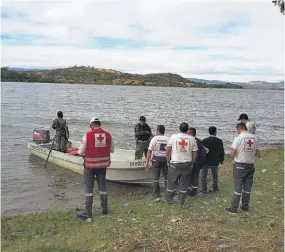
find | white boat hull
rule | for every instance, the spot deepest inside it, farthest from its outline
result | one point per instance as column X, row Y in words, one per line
column 123, row 167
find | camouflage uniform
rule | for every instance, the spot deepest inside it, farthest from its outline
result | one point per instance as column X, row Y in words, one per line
column 61, row 135
column 143, row 135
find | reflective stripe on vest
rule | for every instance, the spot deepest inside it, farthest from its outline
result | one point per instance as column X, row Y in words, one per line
column 97, row 162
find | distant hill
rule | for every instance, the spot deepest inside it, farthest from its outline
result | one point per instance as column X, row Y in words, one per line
column 208, row 81
column 248, row 85
column 100, row 76
column 261, row 85
column 19, row 69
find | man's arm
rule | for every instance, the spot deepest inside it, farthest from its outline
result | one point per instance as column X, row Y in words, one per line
column 148, row 155
column 234, row 147
column 168, row 153
column 222, row 153
column 112, row 146
column 54, row 124
column 82, row 147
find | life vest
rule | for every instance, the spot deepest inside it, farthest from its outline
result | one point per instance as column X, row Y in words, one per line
column 97, row 149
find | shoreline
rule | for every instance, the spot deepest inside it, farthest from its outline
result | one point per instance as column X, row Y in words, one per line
column 201, row 224
column 143, row 189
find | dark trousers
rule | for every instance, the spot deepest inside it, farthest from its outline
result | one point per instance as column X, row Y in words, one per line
column 178, row 176
column 159, row 164
column 243, row 179
column 205, row 170
column 194, row 180
column 141, row 148
column 89, row 177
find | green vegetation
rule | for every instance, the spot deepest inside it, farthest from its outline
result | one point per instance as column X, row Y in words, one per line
column 145, row 225
column 91, row 75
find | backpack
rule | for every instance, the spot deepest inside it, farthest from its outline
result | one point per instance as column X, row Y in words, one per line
column 202, row 153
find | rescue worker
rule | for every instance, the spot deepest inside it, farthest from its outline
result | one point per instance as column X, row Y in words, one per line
column 142, row 135
column 250, row 125
column 61, row 132
column 97, row 144
column 198, row 164
column 214, row 157
column 181, row 153
column 244, row 149
column 159, row 164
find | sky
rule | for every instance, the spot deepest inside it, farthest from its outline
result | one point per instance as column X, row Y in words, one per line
column 233, row 40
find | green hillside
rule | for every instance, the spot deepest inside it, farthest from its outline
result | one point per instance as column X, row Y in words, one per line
column 99, row 76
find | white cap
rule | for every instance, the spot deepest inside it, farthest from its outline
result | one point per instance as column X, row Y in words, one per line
column 94, row 119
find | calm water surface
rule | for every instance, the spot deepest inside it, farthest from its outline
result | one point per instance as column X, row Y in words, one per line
column 27, row 186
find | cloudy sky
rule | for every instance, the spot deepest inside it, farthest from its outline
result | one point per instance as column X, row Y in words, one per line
column 223, row 40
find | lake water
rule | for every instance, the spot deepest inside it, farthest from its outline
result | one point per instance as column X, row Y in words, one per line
column 27, row 186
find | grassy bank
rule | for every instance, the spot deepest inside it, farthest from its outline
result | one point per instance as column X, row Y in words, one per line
column 144, row 225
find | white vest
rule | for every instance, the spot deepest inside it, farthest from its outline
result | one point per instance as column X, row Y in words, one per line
column 246, row 145
column 157, row 145
column 182, row 147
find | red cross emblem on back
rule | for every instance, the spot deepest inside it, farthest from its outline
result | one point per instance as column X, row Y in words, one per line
column 183, row 144
column 100, row 138
column 249, row 142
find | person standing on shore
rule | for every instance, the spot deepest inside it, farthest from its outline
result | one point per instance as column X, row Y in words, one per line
column 61, row 132
column 214, row 157
column 143, row 135
column 250, row 125
column 181, row 153
column 197, row 166
column 157, row 148
column 96, row 147
column 244, row 149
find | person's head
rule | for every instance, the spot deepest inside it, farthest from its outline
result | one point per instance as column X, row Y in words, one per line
column 184, row 127
column 59, row 114
column 160, row 130
column 95, row 123
column 213, row 131
column 142, row 120
column 243, row 118
column 241, row 127
column 192, row 131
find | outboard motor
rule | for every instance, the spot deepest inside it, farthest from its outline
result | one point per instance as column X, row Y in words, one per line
column 41, row 136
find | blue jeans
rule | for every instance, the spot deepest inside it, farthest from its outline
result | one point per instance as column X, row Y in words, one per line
column 204, row 178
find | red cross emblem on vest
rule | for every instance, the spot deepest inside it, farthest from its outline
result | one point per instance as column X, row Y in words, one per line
column 249, row 142
column 100, row 138
column 183, row 144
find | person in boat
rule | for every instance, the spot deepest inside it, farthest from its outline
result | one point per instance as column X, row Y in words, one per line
column 244, row 149
column 159, row 164
column 61, row 132
column 198, row 164
column 95, row 148
column 250, row 125
column 143, row 135
column 181, row 153
column 214, row 157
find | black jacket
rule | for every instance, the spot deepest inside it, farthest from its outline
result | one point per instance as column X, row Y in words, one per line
column 201, row 155
column 142, row 133
column 216, row 152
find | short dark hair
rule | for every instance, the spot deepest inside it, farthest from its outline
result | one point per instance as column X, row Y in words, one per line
column 60, row 114
column 184, row 127
column 161, row 129
column 241, row 126
column 212, row 130
column 193, row 131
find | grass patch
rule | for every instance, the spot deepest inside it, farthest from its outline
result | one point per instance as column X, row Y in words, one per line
column 144, row 225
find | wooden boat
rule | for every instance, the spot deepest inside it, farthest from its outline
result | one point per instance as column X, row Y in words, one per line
column 123, row 167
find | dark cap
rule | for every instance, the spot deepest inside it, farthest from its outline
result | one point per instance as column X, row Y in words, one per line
column 243, row 117
column 142, row 118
